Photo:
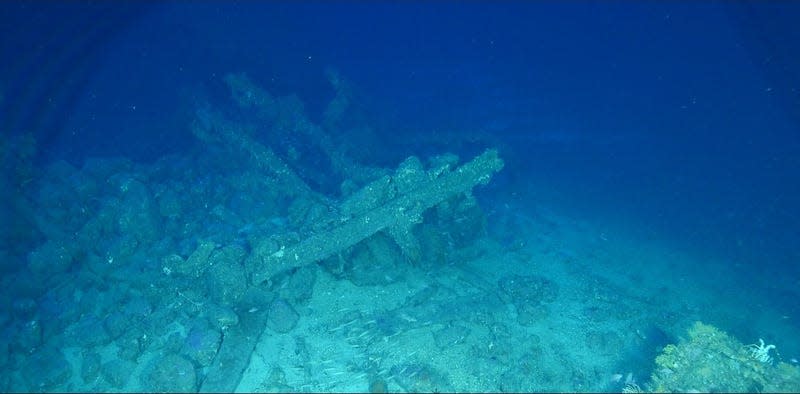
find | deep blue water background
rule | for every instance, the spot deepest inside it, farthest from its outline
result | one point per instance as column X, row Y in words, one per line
column 677, row 119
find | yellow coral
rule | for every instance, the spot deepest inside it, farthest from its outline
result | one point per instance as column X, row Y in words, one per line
column 712, row 360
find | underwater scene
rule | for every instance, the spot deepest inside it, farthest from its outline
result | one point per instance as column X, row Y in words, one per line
column 400, row 196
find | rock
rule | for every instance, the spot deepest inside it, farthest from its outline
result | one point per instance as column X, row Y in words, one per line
column 138, row 214
column 420, row 378
column 90, row 367
column 89, row 332
column 530, row 289
column 50, row 258
column 169, row 204
column 202, row 343
column 169, row 373
column 46, row 370
column 530, row 314
column 24, row 308
column 221, row 317
column 117, row 372
column 116, row 324
column 28, row 338
column 131, row 344
column 376, row 261
column 226, row 277
column 138, row 307
column 529, row 294
column 281, row 318
column 197, row 262
column 450, row 336
column 299, row 286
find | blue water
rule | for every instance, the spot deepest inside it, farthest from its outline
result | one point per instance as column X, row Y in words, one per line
column 648, row 139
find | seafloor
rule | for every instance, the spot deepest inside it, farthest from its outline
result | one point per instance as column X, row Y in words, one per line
column 137, row 277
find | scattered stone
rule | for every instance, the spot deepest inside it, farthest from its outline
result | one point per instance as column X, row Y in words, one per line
column 138, row 307
column 5, row 317
column 50, row 258
column 420, row 378
column 197, row 262
column 116, row 323
column 378, row 386
column 529, row 288
column 169, row 204
column 221, row 317
column 529, row 294
column 226, row 277
column 450, row 336
column 28, row 337
column 88, row 332
column 171, row 264
column 169, row 373
column 137, row 215
column 131, row 344
column 46, row 370
column 202, row 343
column 24, row 308
column 299, row 287
column 117, row 372
column 90, row 367
column 281, row 318
column 377, row 261
column 173, row 343
column 530, row 314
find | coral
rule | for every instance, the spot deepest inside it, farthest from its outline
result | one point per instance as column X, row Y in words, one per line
column 711, row 360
